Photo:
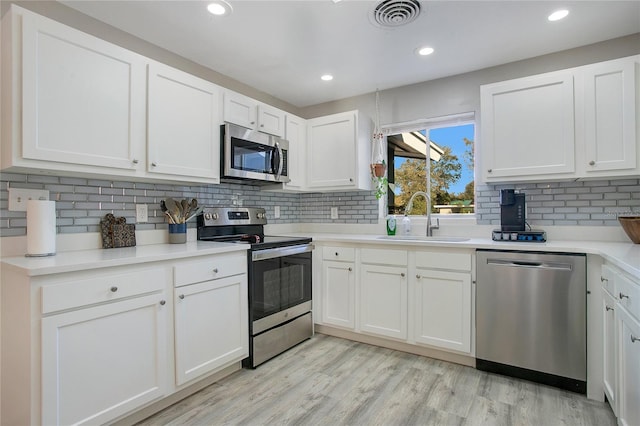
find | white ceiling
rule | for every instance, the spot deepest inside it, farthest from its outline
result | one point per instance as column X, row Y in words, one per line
column 282, row 47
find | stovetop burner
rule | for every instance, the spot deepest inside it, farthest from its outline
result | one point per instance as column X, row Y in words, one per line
column 241, row 224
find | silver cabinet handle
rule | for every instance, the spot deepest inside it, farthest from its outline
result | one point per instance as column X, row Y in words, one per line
column 490, row 170
column 623, row 296
column 135, row 161
column 162, row 302
column 418, row 276
column 402, row 274
column 608, row 308
column 215, row 270
column 154, row 164
column 592, row 163
column 181, row 296
column 262, row 125
column 350, row 179
column 253, row 122
column 114, row 289
column 603, row 279
column 634, row 338
column 350, row 269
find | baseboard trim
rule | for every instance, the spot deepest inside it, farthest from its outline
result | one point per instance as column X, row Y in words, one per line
column 398, row 346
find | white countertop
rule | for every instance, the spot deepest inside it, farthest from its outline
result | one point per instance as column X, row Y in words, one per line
column 70, row 261
column 626, row 256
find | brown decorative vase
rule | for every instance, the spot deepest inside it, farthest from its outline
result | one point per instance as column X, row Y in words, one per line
column 631, row 225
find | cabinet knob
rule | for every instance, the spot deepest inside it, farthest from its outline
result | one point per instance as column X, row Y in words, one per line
column 262, row 125
column 350, row 269
column 350, row 179
column 114, row 289
column 337, row 254
column 603, row 279
column 163, row 302
column 181, row 296
column 215, row 270
column 592, row 163
column 154, row 164
column 253, row 122
column 402, row 274
column 135, row 161
column 608, row 308
column 489, row 171
column 418, row 276
column 634, row 338
column 623, row 296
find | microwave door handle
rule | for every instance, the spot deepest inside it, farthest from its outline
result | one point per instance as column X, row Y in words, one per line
column 280, row 160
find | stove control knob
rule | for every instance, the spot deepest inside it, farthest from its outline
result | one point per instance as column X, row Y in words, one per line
column 214, row 216
column 207, row 216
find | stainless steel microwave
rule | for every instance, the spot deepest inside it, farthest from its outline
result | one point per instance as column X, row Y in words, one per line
column 249, row 154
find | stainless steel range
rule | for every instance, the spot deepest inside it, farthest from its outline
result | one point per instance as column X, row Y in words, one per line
column 279, row 279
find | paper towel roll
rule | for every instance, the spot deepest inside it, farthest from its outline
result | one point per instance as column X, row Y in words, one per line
column 41, row 228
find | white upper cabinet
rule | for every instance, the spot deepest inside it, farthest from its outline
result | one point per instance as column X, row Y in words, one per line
column 296, row 134
column 247, row 112
column 338, row 151
column 183, row 124
column 528, row 127
column 610, row 134
column 577, row 123
column 81, row 99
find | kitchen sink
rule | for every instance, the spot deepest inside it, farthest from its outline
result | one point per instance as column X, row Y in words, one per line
column 422, row 238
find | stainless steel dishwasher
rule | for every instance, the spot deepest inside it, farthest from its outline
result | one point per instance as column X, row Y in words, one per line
column 531, row 316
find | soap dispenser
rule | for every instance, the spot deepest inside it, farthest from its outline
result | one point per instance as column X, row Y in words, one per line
column 406, row 225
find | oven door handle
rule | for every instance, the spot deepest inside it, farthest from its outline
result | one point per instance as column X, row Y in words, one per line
column 281, row 252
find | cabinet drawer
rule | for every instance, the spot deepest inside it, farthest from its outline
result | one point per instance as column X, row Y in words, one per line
column 101, row 288
column 344, row 254
column 384, row 257
column 210, row 268
column 628, row 295
column 440, row 260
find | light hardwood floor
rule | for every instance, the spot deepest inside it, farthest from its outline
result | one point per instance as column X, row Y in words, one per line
column 332, row 381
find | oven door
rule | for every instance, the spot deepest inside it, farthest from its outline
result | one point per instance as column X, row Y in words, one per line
column 280, row 279
column 253, row 155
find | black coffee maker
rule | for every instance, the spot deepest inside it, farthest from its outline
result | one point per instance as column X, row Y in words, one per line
column 512, row 211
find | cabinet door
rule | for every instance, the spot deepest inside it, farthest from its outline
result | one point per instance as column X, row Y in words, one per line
column 609, row 349
column 82, row 98
column 383, row 300
column 331, row 151
column 629, row 369
column 270, row 120
column 296, row 134
column 338, row 294
column 239, row 109
column 610, row 116
column 443, row 309
column 211, row 321
column 528, row 127
column 183, row 124
column 101, row 362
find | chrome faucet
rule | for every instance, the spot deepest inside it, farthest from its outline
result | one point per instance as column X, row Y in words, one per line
column 426, row 196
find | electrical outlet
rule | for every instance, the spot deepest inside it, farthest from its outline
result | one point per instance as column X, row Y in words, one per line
column 142, row 213
column 18, row 198
column 276, row 212
column 334, row 212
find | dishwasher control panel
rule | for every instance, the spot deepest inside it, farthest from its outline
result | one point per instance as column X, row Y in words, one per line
column 533, row 236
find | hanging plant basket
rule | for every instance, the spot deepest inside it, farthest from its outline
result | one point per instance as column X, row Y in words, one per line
column 378, row 169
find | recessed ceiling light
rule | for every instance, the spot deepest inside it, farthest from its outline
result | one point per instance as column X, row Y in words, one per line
column 558, row 15
column 219, row 8
column 424, row 51
column 327, row 77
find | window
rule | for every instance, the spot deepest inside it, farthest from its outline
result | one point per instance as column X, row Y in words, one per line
column 451, row 163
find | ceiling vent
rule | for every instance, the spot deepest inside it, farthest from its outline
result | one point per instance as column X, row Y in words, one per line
column 395, row 13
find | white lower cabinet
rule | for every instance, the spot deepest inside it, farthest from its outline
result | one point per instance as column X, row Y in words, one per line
column 443, row 309
column 383, row 300
column 210, row 326
column 628, row 368
column 101, row 362
column 339, row 287
column 610, row 350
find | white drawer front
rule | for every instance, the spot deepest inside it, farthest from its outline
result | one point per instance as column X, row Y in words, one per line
column 384, row 257
column 344, row 254
column 104, row 287
column 210, row 268
column 443, row 260
column 607, row 277
column 628, row 295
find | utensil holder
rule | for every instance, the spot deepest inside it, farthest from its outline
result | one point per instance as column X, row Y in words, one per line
column 177, row 233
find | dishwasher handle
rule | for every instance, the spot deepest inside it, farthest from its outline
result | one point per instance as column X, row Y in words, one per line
column 530, row 264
